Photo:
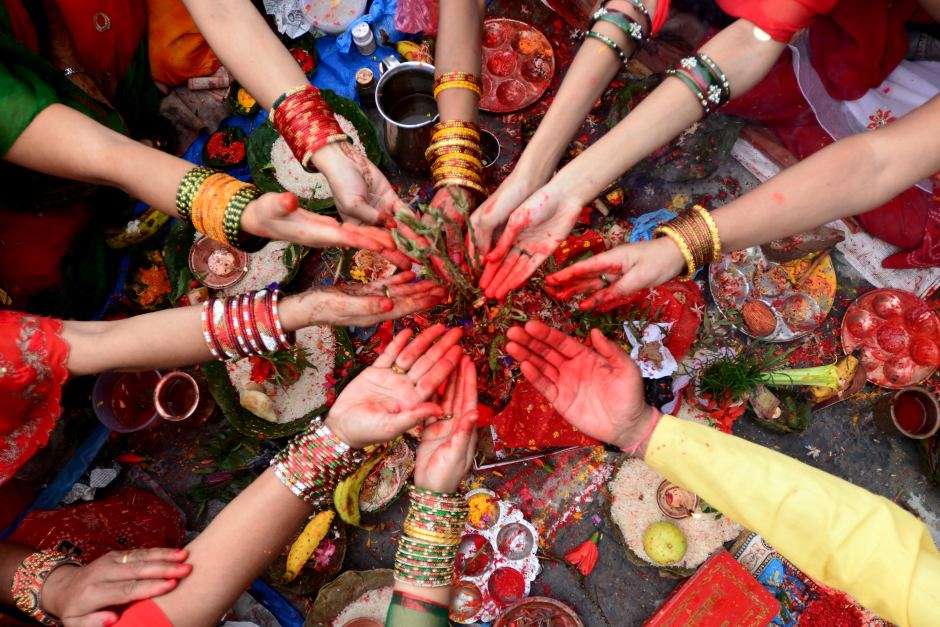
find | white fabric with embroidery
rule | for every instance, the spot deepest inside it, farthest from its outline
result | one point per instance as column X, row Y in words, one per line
column 911, row 84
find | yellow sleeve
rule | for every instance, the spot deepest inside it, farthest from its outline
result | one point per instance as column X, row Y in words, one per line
column 835, row 532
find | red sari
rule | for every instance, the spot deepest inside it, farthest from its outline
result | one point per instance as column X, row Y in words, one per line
column 33, row 359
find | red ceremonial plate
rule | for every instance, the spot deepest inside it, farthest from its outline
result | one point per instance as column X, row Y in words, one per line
column 518, row 65
column 898, row 335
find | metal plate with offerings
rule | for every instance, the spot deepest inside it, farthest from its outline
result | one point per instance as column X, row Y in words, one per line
column 774, row 302
column 518, row 65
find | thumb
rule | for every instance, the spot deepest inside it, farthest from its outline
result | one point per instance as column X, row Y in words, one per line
column 96, row 619
column 287, row 203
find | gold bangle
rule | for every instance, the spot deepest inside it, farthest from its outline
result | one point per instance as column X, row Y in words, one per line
column 457, row 124
column 694, row 234
column 474, row 147
column 713, row 229
column 440, row 539
column 459, row 182
column 672, row 234
column 456, row 85
column 450, row 133
column 457, row 76
column 445, row 171
column 455, row 150
column 469, row 161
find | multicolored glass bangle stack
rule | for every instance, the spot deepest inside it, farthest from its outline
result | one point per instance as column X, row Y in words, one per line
column 706, row 80
column 214, row 202
column 696, row 235
column 455, row 155
column 244, row 325
column 306, row 122
column 630, row 27
column 314, row 463
column 430, row 536
column 29, row 579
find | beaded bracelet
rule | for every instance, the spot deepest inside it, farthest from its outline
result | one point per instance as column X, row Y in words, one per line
column 314, row 463
column 186, row 192
column 28, row 581
column 232, row 219
column 610, row 43
column 240, row 326
column 431, row 533
column 630, row 27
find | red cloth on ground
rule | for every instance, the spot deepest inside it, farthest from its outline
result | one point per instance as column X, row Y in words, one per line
column 677, row 302
column 128, row 519
column 777, row 103
column 530, row 421
column 33, row 359
column 143, row 614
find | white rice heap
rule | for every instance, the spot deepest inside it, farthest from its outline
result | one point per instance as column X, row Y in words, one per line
column 372, row 604
column 292, row 176
column 264, row 268
column 633, row 508
column 305, row 394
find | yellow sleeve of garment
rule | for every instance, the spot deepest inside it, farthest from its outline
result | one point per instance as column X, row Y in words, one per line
column 835, row 532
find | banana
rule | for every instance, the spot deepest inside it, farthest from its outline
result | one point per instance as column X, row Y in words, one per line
column 306, row 543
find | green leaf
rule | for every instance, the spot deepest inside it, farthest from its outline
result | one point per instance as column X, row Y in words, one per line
column 176, row 258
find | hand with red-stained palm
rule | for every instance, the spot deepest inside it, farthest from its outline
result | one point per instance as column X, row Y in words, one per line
column 393, row 394
column 533, row 233
column 280, row 217
column 493, row 213
column 609, row 278
column 597, row 389
column 447, row 445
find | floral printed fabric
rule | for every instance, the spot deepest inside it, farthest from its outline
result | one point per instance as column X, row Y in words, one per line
column 33, row 359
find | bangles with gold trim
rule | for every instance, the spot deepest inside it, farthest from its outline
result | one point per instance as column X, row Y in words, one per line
column 705, row 79
column 455, row 155
column 214, row 203
column 430, row 535
column 306, row 122
column 457, row 80
column 29, row 579
column 696, row 235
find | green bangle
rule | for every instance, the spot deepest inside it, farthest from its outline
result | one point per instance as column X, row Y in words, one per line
column 691, row 84
column 630, row 27
column 186, row 192
column 232, row 221
column 610, row 43
column 718, row 79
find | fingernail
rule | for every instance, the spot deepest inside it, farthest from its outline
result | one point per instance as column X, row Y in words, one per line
column 108, row 622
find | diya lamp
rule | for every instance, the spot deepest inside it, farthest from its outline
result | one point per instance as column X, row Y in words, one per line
column 915, row 413
column 176, row 396
column 675, row 502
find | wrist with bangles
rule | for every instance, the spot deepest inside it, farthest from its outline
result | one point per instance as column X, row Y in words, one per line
column 306, row 122
column 705, row 80
column 454, row 154
column 214, row 203
column 430, row 535
column 29, row 579
column 696, row 235
column 315, row 462
column 244, row 325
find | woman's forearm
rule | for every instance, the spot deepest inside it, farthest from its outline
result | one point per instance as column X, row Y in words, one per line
column 671, row 108
column 591, row 71
column 233, row 550
column 846, row 178
column 247, row 47
column 460, row 26
column 163, row 339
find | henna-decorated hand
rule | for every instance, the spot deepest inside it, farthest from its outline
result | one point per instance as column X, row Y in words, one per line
column 362, row 305
column 609, row 278
column 533, row 233
column 361, row 191
column 392, row 395
column 447, row 445
column 598, row 390
column 280, row 217
column 83, row 596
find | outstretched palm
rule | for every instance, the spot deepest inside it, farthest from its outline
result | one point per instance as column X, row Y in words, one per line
column 533, row 233
column 391, row 396
column 599, row 391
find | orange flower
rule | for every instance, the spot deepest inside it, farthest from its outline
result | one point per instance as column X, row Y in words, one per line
column 584, row 556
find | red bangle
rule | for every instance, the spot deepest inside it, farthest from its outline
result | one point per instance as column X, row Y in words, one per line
column 265, row 325
column 208, row 329
column 230, row 330
column 285, row 339
column 220, row 325
column 255, row 331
